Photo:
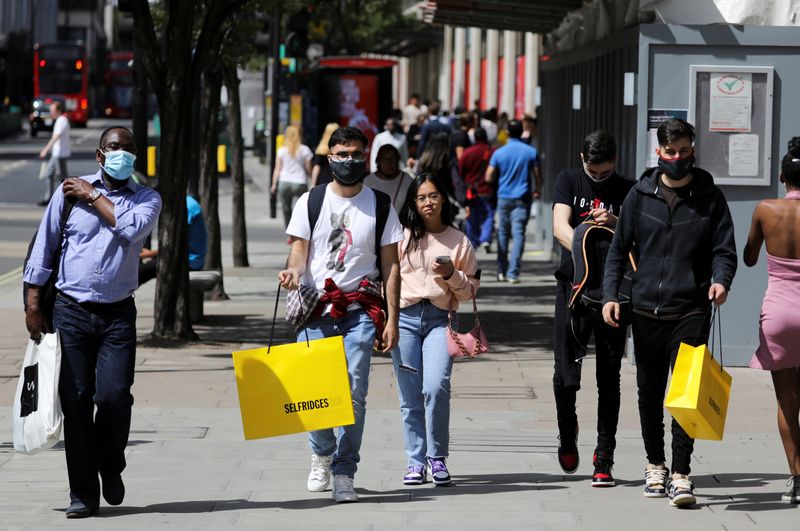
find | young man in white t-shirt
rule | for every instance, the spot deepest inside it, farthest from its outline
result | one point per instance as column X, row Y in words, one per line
column 59, row 149
column 340, row 250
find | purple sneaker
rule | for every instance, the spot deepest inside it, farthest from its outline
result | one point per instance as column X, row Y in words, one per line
column 439, row 472
column 415, row 475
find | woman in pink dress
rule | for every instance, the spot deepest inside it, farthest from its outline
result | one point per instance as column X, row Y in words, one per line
column 776, row 222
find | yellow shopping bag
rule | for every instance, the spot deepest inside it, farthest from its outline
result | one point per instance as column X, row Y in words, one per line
column 293, row 388
column 698, row 393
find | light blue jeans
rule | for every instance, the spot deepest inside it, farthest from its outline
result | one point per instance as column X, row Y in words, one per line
column 358, row 331
column 425, row 394
column 512, row 216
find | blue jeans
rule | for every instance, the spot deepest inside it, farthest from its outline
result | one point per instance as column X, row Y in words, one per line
column 425, row 394
column 98, row 354
column 480, row 222
column 358, row 332
column 513, row 215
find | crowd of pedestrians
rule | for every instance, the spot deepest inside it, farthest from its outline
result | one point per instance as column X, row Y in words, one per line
column 376, row 246
column 672, row 226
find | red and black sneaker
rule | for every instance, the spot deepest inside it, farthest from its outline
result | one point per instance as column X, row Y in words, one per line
column 568, row 457
column 603, row 463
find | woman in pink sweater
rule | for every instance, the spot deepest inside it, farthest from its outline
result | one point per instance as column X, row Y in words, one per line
column 437, row 270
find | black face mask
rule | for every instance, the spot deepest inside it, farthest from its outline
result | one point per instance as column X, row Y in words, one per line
column 676, row 169
column 349, row 172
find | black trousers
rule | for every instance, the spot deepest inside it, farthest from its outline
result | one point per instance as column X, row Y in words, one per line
column 98, row 354
column 657, row 342
column 571, row 338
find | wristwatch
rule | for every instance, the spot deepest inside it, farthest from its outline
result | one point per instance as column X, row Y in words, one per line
column 94, row 195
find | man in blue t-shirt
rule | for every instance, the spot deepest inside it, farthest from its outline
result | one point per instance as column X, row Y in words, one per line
column 512, row 166
column 198, row 244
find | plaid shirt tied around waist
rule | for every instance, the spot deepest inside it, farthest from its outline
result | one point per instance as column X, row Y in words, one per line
column 307, row 303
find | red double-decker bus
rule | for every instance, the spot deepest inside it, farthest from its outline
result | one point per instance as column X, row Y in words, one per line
column 60, row 73
column 119, row 84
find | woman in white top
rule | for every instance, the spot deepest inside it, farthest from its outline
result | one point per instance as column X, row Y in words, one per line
column 292, row 171
column 389, row 178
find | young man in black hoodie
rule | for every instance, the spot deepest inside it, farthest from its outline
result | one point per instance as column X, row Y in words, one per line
column 678, row 223
column 593, row 192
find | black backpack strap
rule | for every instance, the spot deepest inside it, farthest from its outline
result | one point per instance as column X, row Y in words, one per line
column 315, row 198
column 382, row 205
column 69, row 203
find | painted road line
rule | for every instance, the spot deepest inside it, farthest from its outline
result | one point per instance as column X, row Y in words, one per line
column 81, row 139
column 8, row 167
column 14, row 274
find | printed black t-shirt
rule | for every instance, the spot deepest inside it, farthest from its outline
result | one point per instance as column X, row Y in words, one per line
column 575, row 189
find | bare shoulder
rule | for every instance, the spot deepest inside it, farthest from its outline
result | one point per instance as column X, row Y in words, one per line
column 769, row 206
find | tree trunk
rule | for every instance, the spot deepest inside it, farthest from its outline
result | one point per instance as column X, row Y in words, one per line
column 171, row 317
column 173, row 70
column 209, row 179
column 237, row 168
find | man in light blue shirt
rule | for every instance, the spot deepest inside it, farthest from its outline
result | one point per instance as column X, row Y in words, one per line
column 94, row 313
column 512, row 166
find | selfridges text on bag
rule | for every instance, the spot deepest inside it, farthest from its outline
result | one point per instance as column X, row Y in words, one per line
column 37, row 412
column 293, row 388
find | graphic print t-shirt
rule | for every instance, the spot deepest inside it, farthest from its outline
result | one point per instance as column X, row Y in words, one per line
column 575, row 189
column 342, row 247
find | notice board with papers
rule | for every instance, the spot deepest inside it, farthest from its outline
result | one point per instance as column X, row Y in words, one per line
column 731, row 109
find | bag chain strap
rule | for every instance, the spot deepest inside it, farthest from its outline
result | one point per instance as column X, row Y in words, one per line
column 453, row 333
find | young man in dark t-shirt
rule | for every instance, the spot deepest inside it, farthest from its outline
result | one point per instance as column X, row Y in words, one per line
column 593, row 192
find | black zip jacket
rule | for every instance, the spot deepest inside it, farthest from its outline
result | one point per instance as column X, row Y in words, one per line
column 680, row 251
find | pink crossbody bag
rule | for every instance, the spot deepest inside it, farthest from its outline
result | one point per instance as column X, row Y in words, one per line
column 470, row 344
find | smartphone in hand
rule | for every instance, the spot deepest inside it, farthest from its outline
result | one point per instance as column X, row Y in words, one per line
column 444, row 259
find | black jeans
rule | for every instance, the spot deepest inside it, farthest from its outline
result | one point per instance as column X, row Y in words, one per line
column 569, row 346
column 657, row 342
column 98, row 352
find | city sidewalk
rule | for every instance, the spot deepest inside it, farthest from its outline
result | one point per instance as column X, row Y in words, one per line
column 189, row 466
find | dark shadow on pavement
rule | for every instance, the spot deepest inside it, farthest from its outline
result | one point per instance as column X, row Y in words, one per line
column 767, row 499
column 477, row 484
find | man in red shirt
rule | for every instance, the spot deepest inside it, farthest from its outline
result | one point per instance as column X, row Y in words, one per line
column 481, row 198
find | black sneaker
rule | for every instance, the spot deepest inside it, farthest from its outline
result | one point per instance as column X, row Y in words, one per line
column 603, row 463
column 79, row 509
column 793, row 496
column 568, row 457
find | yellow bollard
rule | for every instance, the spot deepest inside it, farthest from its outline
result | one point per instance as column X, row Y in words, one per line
column 151, row 161
column 221, row 162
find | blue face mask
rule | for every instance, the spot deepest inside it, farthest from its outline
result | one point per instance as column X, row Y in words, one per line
column 119, row 164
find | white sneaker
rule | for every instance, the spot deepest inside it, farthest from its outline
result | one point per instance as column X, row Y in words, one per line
column 681, row 491
column 343, row 491
column 320, row 476
column 655, row 481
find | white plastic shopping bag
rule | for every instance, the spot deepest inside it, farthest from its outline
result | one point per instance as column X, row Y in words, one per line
column 37, row 408
column 43, row 170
